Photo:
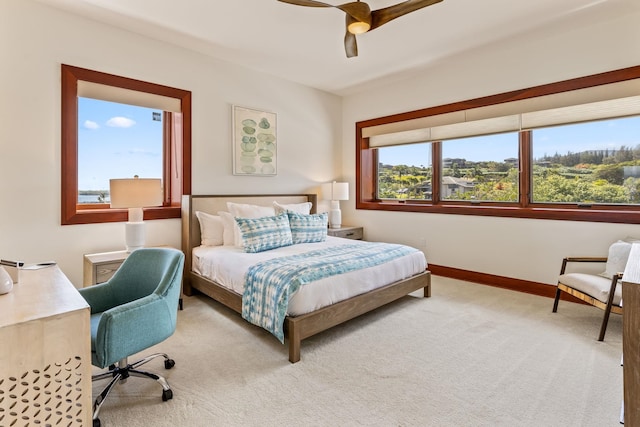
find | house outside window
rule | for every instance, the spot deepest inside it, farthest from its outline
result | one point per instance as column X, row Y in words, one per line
column 480, row 168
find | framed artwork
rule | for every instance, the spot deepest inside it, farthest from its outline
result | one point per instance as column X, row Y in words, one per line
column 255, row 142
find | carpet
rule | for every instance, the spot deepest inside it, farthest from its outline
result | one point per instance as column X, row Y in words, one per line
column 471, row 355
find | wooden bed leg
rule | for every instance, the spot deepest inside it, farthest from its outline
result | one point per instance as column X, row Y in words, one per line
column 294, row 342
column 427, row 291
column 186, row 287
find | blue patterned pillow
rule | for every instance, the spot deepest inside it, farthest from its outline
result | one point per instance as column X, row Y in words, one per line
column 262, row 234
column 308, row 228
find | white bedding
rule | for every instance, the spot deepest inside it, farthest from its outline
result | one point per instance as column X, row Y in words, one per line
column 227, row 265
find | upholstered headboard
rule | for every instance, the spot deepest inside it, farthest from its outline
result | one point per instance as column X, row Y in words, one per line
column 214, row 203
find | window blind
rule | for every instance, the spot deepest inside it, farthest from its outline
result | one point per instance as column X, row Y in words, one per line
column 128, row 96
column 606, row 101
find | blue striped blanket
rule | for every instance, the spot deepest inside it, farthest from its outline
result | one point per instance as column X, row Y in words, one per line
column 269, row 284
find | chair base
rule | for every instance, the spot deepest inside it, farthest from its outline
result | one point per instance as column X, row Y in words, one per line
column 122, row 372
column 608, row 308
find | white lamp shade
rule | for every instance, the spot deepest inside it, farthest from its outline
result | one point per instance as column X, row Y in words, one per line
column 135, row 192
column 335, row 191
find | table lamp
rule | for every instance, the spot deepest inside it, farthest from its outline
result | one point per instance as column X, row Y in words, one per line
column 135, row 194
column 335, row 191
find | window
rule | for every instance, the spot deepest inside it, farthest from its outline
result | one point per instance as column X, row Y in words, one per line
column 587, row 163
column 115, row 127
column 404, row 172
column 567, row 150
column 116, row 141
column 480, row 169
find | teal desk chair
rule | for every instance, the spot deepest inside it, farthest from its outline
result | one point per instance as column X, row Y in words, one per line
column 134, row 310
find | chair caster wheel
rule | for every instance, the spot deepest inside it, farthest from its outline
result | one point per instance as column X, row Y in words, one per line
column 169, row 363
column 96, row 422
column 167, row 395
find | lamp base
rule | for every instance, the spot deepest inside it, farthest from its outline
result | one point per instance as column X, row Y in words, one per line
column 134, row 235
column 335, row 215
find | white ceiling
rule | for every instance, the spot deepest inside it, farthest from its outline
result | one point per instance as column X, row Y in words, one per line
column 305, row 44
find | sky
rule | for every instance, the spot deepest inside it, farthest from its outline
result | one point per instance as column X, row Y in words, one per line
column 117, row 141
column 120, row 141
column 600, row 135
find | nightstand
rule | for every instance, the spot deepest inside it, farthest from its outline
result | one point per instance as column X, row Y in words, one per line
column 347, row 232
column 100, row 267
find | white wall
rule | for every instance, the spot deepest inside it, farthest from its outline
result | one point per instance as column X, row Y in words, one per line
column 315, row 135
column 517, row 248
column 36, row 39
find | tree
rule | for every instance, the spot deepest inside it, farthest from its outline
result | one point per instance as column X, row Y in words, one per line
column 613, row 174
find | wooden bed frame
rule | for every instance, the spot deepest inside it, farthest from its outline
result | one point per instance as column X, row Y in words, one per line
column 300, row 327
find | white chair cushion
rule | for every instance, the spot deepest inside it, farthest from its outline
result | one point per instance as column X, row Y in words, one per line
column 616, row 258
column 592, row 285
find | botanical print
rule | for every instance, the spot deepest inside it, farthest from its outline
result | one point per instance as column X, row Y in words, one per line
column 254, row 142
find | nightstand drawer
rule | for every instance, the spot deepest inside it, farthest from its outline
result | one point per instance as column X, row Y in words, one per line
column 105, row 271
column 355, row 233
column 100, row 267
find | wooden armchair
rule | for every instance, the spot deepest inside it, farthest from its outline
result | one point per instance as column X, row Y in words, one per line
column 594, row 289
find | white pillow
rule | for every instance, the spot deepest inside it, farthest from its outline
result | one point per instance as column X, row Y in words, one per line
column 616, row 259
column 211, row 229
column 229, row 224
column 301, row 208
column 241, row 210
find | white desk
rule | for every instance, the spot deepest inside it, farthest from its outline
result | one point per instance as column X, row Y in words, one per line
column 45, row 374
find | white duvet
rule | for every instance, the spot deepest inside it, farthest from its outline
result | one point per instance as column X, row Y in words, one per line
column 227, row 265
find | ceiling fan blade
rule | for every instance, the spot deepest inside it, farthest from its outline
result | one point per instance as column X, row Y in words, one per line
column 360, row 11
column 384, row 15
column 350, row 44
column 309, row 3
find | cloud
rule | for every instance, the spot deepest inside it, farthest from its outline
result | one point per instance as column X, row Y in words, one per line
column 120, row 122
column 88, row 124
column 143, row 152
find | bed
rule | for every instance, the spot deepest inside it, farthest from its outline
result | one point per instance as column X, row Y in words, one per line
column 299, row 323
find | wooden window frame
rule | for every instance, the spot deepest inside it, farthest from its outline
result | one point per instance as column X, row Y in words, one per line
column 177, row 154
column 367, row 163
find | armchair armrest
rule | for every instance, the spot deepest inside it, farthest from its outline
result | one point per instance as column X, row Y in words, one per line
column 566, row 260
column 98, row 297
column 586, row 259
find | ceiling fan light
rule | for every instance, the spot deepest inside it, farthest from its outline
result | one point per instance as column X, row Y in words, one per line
column 358, row 27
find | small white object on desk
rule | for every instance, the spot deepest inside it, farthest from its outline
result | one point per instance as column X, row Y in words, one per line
column 6, row 282
column 12, row 268
column 39, row 265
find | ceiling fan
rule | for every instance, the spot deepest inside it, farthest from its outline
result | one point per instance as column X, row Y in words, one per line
column 360, row 18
